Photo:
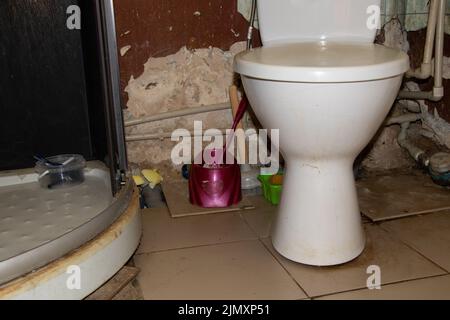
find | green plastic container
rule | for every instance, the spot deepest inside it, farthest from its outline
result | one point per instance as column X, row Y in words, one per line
column 272, row 192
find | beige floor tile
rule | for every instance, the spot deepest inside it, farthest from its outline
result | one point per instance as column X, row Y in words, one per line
column 161, row 232
column 436, row 288
column 242, row 270
column 428, row 234
column 260, row 219
column 396, row 261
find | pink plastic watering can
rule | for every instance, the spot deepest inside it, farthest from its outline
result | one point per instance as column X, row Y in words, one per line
column 217, row 185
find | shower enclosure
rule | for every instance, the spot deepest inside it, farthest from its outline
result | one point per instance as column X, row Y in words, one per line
column 59, row 94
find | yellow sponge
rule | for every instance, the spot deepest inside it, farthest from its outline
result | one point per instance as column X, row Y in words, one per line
column 153, row 177
column 139, row 180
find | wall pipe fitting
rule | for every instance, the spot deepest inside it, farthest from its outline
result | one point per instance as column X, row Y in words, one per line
column 404, row 121
column 179, row 113
column 438, row 90
column 415, row 152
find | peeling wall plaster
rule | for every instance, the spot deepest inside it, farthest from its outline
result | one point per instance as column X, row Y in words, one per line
column 384, row 152
column 189, row 78
column 437, row 128
column 395, row 36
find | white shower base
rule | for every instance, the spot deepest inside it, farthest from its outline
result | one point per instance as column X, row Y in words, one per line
column 38, row 226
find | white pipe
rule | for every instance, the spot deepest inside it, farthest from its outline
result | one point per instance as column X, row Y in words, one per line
column 411, row 106
column 409, row 117
column 179, row 113
column 425, row 70
column 438, row 90
column 419, row 95
column 439, row 53
column 168, row 135
column 427, row 134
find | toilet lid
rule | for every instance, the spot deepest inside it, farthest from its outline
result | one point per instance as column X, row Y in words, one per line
column 322, row 62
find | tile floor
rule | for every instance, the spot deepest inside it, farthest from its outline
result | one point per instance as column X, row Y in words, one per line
column 230, row 256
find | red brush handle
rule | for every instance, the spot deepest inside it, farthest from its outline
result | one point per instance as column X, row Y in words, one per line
column 239, row 115
column 240, row 112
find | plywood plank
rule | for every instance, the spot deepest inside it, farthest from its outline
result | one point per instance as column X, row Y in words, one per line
column 177, row 197
column 400, row 195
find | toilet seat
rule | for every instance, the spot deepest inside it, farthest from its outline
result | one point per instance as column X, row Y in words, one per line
column 322, row 62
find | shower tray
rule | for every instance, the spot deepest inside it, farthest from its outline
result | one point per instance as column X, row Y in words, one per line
column 38, row 226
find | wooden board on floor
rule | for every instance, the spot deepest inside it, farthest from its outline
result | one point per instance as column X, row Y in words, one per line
column 177, row 198
column 132, row 291
column 113, row 286
column 401, row 195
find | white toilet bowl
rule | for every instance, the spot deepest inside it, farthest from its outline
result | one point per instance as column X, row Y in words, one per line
column 328, row 100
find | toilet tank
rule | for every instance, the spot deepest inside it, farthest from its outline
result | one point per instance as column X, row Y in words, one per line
column 285, row 21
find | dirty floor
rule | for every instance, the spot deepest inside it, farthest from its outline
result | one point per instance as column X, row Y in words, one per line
column 230, row 256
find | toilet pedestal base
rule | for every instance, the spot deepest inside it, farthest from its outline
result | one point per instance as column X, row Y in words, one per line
column 319, row 221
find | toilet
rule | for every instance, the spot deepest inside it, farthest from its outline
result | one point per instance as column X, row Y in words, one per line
column 320, row 79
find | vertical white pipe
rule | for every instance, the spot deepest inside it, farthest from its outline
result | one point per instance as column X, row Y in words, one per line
column 431, row 31
column 425, row 70
column 438, row 89
column 439, row 54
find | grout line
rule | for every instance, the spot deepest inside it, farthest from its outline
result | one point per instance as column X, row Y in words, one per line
column 382, row 285
column 254, row 237
column 409, row 215
column 284, row 268
column 196, row 246
column 248, row 225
